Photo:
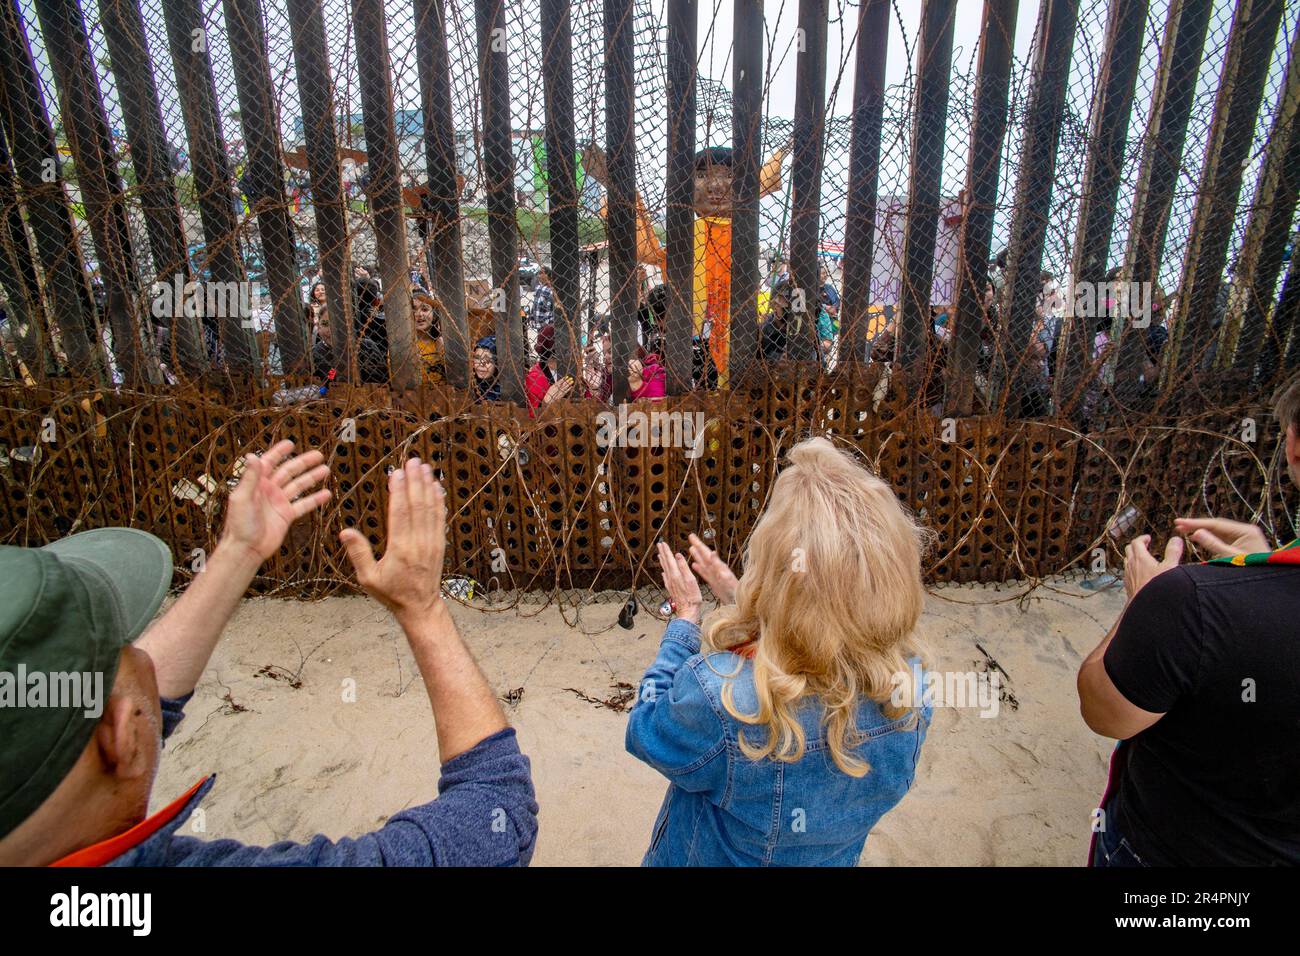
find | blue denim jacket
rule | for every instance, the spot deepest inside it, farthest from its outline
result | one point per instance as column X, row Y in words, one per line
column 724, row 809
column 485, row 815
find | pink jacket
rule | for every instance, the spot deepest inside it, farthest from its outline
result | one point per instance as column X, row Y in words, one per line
column 654, row 380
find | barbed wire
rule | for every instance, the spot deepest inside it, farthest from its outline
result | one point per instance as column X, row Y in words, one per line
column 184, row 148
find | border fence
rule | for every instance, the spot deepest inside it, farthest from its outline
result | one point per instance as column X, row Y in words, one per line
column 1034, row 264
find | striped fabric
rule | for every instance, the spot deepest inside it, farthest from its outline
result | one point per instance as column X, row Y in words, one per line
column 1287, row 554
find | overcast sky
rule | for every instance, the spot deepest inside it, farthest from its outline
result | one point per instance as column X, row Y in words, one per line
column 841, row 44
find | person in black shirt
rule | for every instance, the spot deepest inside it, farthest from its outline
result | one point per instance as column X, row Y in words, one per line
column 368, row 311
column 372, row 362
column 1200, row 680
column 775, row 334
column 651, row 315
column 830, row 296
column 1153, row 341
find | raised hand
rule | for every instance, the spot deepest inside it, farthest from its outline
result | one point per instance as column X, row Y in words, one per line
column 1222, row 538
column 559, row 389
column 713, row 570
column 1140, row 565
column 273, row 492
column 683, row 590
column 408, row 578
column 593, row 369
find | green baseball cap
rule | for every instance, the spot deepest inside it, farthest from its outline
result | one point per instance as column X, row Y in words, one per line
column 66, row 609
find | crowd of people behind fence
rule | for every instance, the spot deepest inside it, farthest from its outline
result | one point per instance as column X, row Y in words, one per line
column 777, row 306
column 1034, row 371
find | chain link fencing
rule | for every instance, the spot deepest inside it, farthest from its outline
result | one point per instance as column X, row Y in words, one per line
column 874, row 217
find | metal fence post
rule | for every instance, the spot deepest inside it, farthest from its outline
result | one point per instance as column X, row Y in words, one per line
column 1247, row 336
column 747, row 143
column 1166, row 133
column 260, row 120
column 499, row 174
column 1105, row 165
column 188, row 39
column 133, row 73
column 679, row 240
column 864, row 177
column 620, row 148
column 1056, row 27
column 18, row 273
column 929, row 122
column 442, row 205
column 1241, row 90
column 311, row 66
column 983, row 173
column 384, row 190
column 561, row 179
column 806, row 175
column 37, row 170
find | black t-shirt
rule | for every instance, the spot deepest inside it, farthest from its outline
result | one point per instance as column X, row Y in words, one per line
column 1215, row 781
column 1157, row 336
column 772, row 339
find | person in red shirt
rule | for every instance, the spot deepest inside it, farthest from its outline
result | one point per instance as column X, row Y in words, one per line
column 543, row 384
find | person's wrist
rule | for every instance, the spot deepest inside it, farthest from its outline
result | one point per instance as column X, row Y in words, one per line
column 239, row 555
column 688, row 612
column 416, row 618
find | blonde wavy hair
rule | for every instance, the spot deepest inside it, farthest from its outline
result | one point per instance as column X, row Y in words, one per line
column 832, row 592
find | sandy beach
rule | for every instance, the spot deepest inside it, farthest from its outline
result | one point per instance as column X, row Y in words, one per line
column 315, row 721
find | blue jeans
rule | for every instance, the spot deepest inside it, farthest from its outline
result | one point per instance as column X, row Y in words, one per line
column 1113, row 848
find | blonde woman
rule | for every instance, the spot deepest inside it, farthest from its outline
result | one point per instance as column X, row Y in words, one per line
column 787, row 741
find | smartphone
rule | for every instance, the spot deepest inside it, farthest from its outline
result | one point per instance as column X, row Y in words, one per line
column 1121, row 526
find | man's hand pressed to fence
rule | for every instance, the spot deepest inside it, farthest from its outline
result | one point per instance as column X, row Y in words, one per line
column 408, row 578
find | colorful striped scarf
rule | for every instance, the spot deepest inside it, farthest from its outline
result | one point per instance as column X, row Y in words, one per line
column 1287, row 554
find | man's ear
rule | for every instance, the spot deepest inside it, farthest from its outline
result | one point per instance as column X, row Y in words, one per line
column 120, row 736
column 1292, row 446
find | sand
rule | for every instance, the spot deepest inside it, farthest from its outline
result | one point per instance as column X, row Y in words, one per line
column 354, row 742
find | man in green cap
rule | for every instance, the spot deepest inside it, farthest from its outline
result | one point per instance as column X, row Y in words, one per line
column 89, row 688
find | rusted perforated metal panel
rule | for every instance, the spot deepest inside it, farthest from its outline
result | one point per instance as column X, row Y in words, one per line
column 551, row 502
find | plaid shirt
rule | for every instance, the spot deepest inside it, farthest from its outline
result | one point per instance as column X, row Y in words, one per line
column 543, row 308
